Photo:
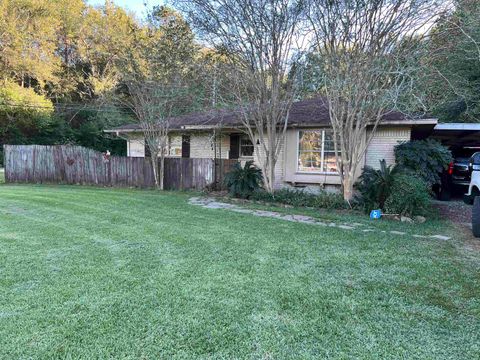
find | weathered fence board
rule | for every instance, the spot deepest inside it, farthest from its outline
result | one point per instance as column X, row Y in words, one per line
column 222, row 168
column 65, row 164
column 186, row 173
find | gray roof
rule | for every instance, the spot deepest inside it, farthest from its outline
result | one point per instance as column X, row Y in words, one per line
column 309, row 112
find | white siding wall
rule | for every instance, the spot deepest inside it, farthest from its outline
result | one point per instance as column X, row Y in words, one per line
column 201, row 146
column 279, row 166
column 383, row 143
column 135, row 147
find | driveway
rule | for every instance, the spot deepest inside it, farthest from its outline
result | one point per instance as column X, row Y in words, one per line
column 456, row 211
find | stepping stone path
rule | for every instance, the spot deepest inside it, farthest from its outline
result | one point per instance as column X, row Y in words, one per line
column 211, row 203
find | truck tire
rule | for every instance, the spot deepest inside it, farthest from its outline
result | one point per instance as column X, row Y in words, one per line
column 468, row 199
column 476, row 217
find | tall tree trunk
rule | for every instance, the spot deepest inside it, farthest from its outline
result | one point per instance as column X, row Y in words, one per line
column 268, row 172
column 154, row 162
column 271, row 162
column 267, row 179
column 347, row 185
column 162, row 171
column 268, row 167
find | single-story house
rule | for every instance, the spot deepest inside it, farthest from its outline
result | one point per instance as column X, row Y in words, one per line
column 307, row 157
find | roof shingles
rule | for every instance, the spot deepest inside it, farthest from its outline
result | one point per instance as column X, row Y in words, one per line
column 309, row 112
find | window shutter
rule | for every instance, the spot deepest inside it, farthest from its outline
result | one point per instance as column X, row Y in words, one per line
column 234, row 146
column 185, row 146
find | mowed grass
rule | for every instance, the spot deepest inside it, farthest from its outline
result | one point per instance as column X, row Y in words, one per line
column 101, row 273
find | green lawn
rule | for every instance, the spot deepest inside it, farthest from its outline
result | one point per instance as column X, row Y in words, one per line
column 102, row 273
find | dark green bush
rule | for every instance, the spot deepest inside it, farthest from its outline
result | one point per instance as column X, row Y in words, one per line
column 242, row 182
column 425, row 158
column 409, row 196
column 299, row 198
column 375, row 185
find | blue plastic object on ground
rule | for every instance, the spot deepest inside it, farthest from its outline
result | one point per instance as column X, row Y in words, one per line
column 376, row 214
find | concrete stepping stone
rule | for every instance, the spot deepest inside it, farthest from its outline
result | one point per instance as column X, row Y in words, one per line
column 440, row 237
column 219, row 205
column 302, row 218
column 211, row 203
column 242, row 211
column 266, row 213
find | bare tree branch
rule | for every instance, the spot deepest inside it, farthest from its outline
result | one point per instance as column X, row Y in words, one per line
column 153, row 105
column 364, row 52
column 261, row 39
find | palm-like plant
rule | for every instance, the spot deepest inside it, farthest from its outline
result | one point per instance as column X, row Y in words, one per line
column 375, row 185
column 242, row 182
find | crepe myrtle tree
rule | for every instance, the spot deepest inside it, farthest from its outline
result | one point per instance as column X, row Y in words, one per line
column 260, row 39
column 365, row 54
column 153, row 104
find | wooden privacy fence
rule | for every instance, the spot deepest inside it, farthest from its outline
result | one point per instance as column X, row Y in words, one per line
column 65, row 164
column 186, row 173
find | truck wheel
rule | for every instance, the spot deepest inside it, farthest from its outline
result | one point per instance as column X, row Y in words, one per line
column 476, row 216
column 468, row 199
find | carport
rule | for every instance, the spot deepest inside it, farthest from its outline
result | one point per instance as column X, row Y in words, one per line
column 463, row 139
column 454, row 135
column 457, row 135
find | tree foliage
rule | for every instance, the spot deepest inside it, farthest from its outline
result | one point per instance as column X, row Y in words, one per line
column 61, row 63
column 426, row 158
column 409, row 196
column 27, row 41
column 453, row 63
column 364, row 53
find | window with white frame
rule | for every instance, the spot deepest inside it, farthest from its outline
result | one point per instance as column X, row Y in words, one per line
column 316, row 151
column 246, row 146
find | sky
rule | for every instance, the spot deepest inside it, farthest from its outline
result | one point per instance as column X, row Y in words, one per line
column 136, row 6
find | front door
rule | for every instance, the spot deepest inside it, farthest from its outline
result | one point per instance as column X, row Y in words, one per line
column 234, row 146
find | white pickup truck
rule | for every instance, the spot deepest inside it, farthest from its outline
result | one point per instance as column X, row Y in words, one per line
column 474, row 187
column 473, row 195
